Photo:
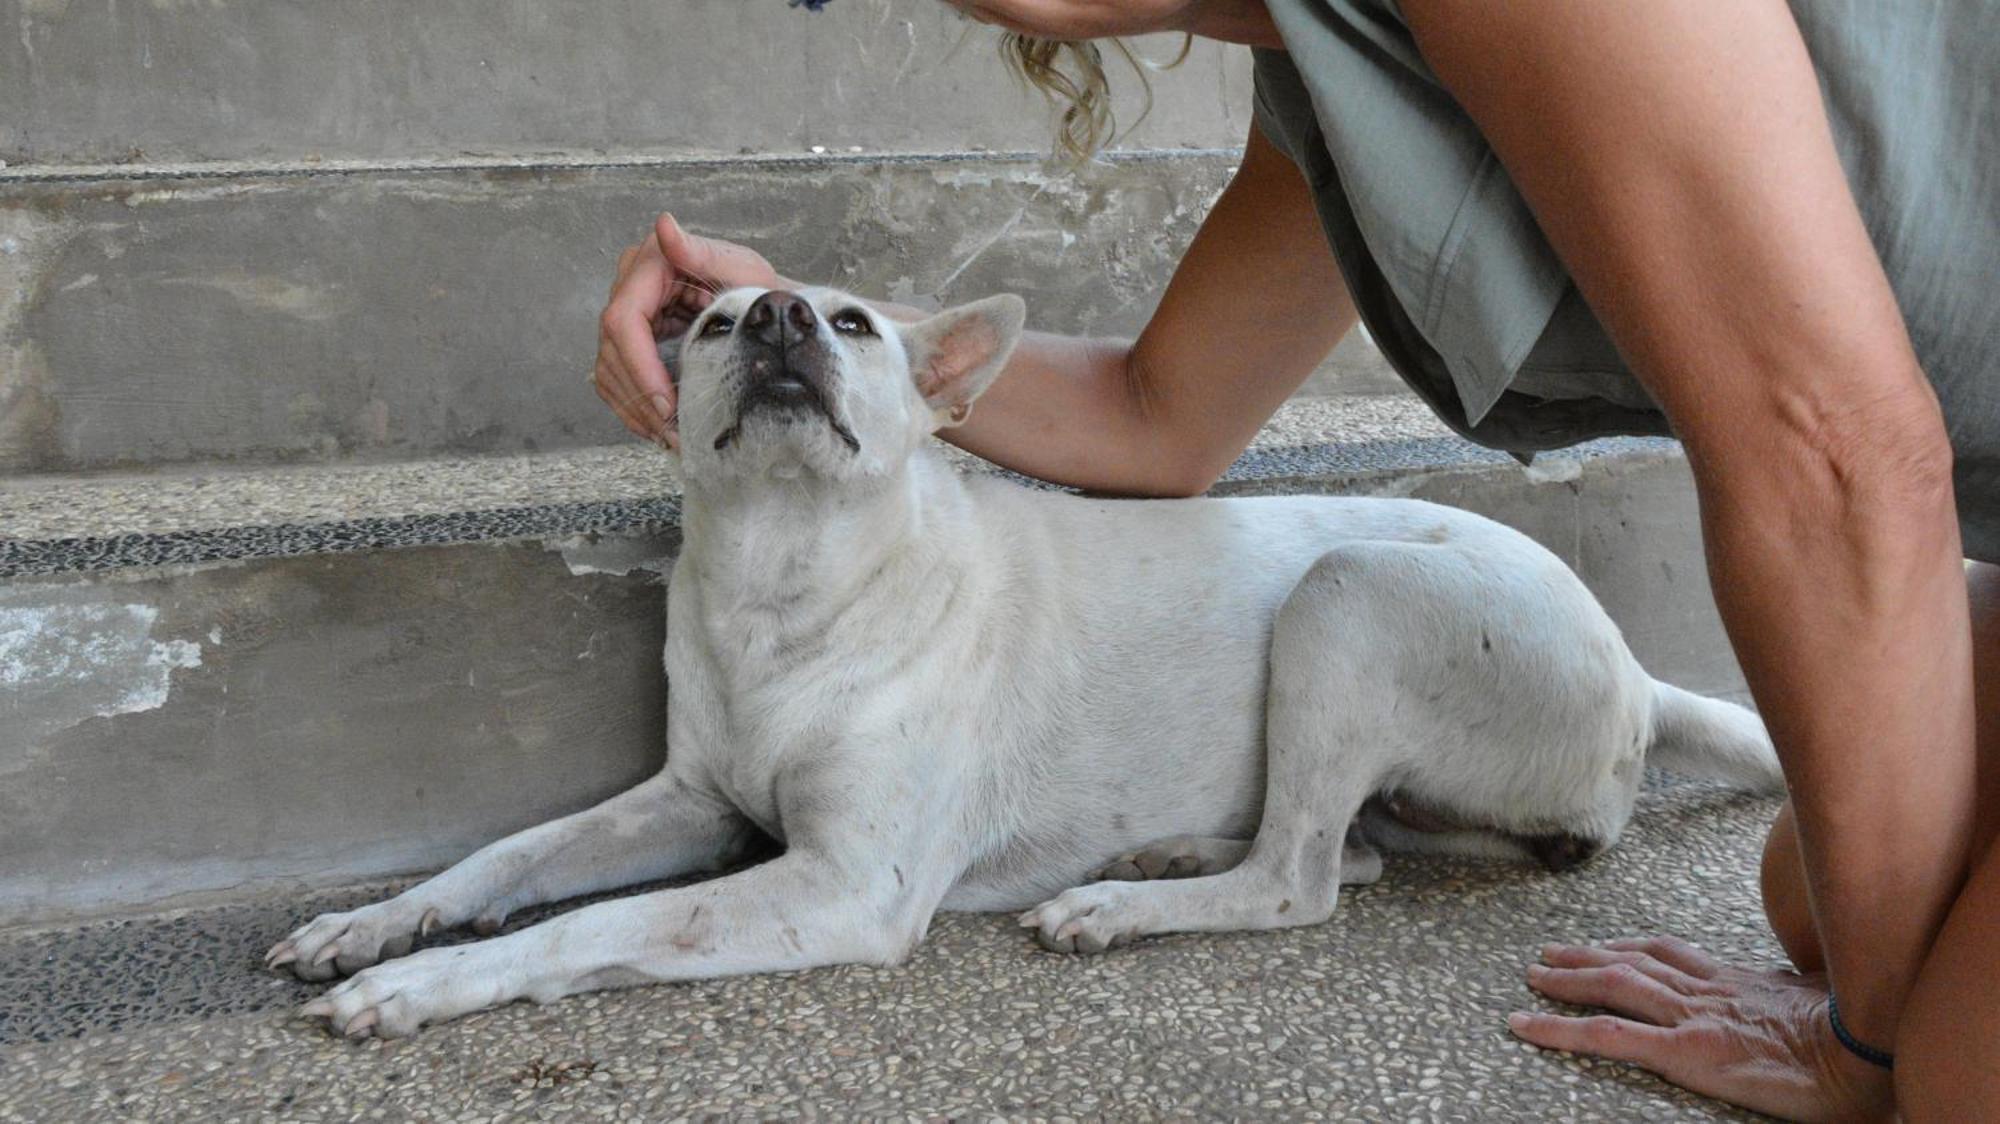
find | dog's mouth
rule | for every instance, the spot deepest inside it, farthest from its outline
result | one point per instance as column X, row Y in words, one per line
column 785, row 391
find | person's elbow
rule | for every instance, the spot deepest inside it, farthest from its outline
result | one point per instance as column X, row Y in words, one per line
column 1172, row 453
column 1879, row 457
column 1885, row 448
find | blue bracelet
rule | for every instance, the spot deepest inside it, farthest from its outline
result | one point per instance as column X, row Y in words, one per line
column 1854, row 1045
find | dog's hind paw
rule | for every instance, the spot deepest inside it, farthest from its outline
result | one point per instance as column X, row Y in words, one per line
column 1177, row 856
column 1088, row 919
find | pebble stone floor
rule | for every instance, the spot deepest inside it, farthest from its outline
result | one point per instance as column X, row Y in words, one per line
column 1392, row 1011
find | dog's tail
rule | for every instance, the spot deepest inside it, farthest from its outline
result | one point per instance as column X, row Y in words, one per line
column 1709, row 738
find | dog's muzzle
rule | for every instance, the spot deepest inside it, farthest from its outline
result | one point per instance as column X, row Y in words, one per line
column 785, row 363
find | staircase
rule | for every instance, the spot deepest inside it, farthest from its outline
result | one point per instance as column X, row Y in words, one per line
column 319, row 560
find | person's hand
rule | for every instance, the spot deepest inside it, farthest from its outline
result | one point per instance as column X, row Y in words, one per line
column 663, row 283
column 1756, row 1039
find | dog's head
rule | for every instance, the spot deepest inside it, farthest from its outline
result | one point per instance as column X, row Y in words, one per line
column 815, row 382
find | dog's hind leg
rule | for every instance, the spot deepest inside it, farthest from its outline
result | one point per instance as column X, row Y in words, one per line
column 1332, row 733
column 657, row 829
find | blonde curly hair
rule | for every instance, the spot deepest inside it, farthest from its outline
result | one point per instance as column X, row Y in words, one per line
column 1071, row 75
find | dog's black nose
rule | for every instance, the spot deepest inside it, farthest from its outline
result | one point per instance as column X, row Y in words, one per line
column 780, row 319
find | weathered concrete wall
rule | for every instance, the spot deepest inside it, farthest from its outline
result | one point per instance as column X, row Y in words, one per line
column 345, row 716
column 395, row 315
column 306, row 718
column 148, row 82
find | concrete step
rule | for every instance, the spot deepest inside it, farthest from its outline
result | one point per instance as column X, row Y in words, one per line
column 220, row 679
column 1394, row 1010
column 96, row 82
column 394, row 313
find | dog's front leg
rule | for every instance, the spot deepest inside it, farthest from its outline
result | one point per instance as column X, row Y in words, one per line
column 657, row 829
column 800, row 910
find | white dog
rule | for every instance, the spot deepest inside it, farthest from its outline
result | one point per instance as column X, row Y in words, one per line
column 949, row 692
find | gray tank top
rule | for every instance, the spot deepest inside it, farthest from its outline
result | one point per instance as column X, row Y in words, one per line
column 1470, row 304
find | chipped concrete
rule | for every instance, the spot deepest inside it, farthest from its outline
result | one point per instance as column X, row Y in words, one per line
column 30, row 415
column 616, row 555
column 61, row 665
column 142, row 760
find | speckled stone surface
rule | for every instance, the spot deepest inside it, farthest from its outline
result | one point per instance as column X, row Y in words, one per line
column 59, row 524
column 1392, row 1011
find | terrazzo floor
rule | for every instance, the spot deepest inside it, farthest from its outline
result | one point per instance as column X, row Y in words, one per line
column 1392, row 1011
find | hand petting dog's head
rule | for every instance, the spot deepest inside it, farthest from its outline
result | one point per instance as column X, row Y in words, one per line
column 816, row 383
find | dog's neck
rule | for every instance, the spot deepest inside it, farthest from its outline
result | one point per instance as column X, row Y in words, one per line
column 786, row 557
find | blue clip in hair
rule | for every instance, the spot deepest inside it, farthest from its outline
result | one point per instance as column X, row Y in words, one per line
column 809, row 5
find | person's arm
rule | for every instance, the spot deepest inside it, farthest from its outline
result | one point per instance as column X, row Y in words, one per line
column 1680, row 160
column 1230, row 21
column 1252, row 308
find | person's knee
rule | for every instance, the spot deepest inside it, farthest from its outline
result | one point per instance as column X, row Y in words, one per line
column 1948, row 1038
column 1786, row 907
column 1946, row 1067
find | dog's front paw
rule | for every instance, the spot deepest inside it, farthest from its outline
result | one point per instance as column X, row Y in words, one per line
column 1088, row 918
column 345, row 943
column 392, row 1000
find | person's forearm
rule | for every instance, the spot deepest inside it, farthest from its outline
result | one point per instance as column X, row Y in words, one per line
column 1863, row 672
column 1068, row 410
column 1073, row 412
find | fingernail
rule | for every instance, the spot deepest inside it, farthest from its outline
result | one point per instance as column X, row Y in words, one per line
column 661, row 408
column 1518, row 1021
column 1536, row 971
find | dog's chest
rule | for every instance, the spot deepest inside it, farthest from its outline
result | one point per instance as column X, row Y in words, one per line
column 779, row 731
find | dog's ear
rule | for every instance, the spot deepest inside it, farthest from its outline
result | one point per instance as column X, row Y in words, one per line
column 956, row 355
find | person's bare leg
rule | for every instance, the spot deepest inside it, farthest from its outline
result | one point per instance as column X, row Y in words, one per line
column 1784, row 893
column 1948, row 1044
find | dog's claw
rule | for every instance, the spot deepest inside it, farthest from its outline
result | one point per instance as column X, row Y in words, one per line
column 279, row 959
column 1029, row 920
column 429, row 923
column 317, row 1009
column 361, row 1024
column 325, row 954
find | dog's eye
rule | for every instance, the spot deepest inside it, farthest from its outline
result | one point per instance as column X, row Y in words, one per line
column 852, row 322
column 717, row 326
